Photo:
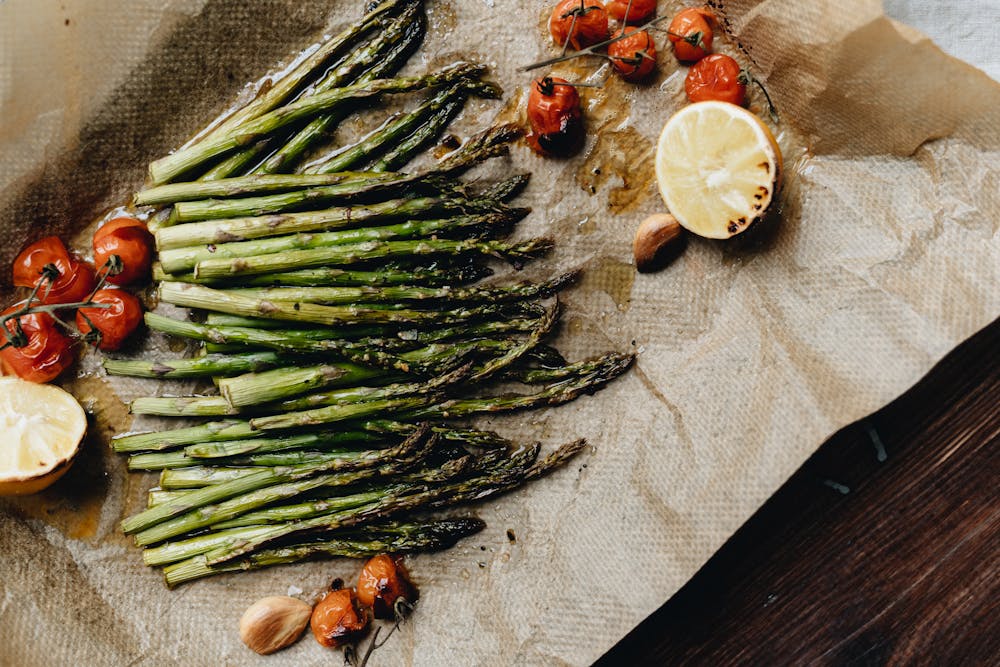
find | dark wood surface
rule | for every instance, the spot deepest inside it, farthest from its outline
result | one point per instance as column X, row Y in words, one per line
column 884, row 548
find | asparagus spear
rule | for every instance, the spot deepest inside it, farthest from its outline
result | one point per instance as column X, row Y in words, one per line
column 397, row 129
column 311, row 197
column 198, row 367
column 283, row 88
column 463, row 491
column 198, row 296
column 360, row 215
column 175, row 260
column 412, row 26
column 179, row 459
column 432, row 538
column 293, row 340
column 410, row 448
column 219, row 143
column 347, row 295
column 346, row 255
column 259, row 184
column 386, row 53
column 431, row 275
column 399, row 155
column 591, row 376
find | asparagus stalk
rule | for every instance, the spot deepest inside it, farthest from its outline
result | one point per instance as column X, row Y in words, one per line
column 259, row 184
column 198, row 296
column 283, row 88
column 590, row 377
column 426, row 276
column 293, row 340
column 382, row 57
column 475, row 488
column 179, row 459
column 346, row 255
column 176, row 260
column 507, row 189
column 396, row 130
column 247, row 390
column 198, row 367
column 170, row 552
column 308, row 197
column 359, row 215
column 219, row 143
column 410, row 449
column 433, row 538
column 446, row 109
column 347, row 295
column 404, row 34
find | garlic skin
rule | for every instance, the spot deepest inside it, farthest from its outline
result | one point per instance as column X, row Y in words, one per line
column 658, row 238
column 273, row 623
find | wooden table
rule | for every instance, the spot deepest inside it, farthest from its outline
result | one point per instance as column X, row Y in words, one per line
column 884, row 548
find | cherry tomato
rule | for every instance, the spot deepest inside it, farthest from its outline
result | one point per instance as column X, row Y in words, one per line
column 691, row 34
column 131, row 241
column 641, row 11
column 634, row 56
column 47, row 353
column 555, row 116
column 382, row 582
column 715, row 77
column 114, row 324
column 76, row 279
column 336, row 619
column 590, row 27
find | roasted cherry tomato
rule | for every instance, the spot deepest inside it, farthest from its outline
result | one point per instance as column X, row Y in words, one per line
column 45, row 353
column 590, row 25
column 383, row 581
column 114, row 324
column 131, row 241
column 715, row 77
column 76, row 279
column 336, row 619
column 641, row 11
column 633, row 56
column 555, row 117
column 691, row 34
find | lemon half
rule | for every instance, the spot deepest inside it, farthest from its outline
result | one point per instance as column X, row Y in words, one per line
column 41, row 428
column 718, row 168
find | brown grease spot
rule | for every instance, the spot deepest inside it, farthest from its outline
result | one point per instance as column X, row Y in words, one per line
column 613, row 277
column 624, row 154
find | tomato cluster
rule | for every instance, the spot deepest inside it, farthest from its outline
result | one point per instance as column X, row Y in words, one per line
column 554, row 111
column 343, row 615
column 37, row 342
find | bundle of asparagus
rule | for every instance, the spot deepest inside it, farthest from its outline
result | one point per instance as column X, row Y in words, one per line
column 339, row 322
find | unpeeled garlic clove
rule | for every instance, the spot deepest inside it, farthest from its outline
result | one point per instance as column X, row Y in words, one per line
column 657, row 236
column 272, row 623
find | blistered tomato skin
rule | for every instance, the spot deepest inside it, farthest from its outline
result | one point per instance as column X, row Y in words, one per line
column 715, row 77
column 336, row 619
column 76, row 279
column 46, row 355
column 641, row 11
column 131, row 241
column 555, row 117
column 383, row 582
column 114, row 324
column 590, row 25
column 634, row 56
column 691, row 34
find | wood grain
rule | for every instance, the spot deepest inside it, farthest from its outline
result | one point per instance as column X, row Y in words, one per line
column 883, row 549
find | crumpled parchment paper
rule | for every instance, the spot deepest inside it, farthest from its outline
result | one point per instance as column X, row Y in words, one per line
column 751, row 353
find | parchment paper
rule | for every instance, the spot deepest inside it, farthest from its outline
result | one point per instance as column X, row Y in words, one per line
column 751, row 353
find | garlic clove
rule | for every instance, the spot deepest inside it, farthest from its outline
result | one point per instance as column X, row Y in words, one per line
column 657, row 240
column 273, row 623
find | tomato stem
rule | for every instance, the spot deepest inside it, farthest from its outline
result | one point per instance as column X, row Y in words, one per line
column 591, row 50
column 746, row 78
